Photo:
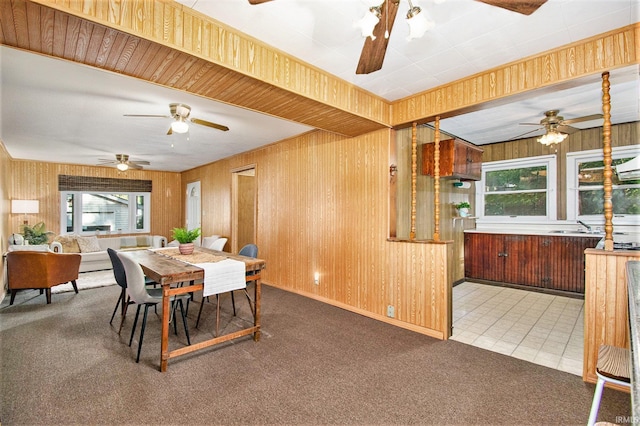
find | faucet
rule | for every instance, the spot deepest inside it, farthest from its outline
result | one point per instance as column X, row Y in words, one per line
column 585, row 225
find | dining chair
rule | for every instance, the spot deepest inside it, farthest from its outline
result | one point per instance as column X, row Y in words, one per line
column 218, row 244
column 141, row 295
column 613, row 366
column 249, row 250
column 121, row 280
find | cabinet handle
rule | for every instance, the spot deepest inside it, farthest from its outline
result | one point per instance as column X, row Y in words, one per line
column 503, row 254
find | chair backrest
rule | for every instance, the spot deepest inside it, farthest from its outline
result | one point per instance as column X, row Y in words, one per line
column 207, row 241
column 37, row 269
column 135, row 280
column 250, row 250
column 118, row 268
column 218, row 244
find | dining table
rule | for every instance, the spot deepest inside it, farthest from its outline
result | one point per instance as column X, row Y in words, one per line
column 179, row 274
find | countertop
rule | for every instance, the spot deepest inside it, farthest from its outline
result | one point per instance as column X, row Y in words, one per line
column 633, row 287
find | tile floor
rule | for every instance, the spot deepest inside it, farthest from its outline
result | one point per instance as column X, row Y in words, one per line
column 536, row 327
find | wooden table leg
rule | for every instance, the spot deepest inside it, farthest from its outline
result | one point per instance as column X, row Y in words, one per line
column 164, row 341
column 256, row 317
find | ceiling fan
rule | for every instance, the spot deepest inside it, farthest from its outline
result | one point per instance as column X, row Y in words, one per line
column 181, row 112
column 556, row 127
column 375, row 45
column 123, row 163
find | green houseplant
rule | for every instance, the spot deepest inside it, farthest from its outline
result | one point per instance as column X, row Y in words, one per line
column 463, row 208
column 186, row 237
column 36, row 234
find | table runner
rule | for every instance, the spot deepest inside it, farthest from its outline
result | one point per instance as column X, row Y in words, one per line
column 220, row 273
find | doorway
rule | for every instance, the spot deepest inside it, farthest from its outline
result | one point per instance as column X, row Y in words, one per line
column 244, row 196
column 193, row 213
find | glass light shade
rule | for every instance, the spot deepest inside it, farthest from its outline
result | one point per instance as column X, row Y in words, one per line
column 368, row 22
column 123, row 167
column 418, row 23
column 25, row 206
column 179, row 126
column 552, row 137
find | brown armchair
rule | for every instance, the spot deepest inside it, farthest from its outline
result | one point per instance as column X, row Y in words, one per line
column 41, row 270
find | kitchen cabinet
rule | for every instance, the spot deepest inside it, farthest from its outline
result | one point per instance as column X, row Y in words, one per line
column 544, row 261
column 458, row 159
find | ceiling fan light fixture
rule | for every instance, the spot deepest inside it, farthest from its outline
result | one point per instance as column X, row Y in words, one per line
column 552, row 137
column 369, row 22
column 123, row 167
column 418, row 22
column 179, row 126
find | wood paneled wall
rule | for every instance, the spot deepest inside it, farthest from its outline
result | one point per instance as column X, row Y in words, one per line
column 322, row 207
column 35, row 180
column 584, row 140
column 5, row 208
column 563, row 66
column 606, row 319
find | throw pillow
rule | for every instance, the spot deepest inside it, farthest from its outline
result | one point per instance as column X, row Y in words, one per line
column 69, row 243
column 89, row 244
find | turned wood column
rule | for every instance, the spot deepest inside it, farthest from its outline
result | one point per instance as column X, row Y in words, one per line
column 414, row 168
column 436, row 182
column 606, row 151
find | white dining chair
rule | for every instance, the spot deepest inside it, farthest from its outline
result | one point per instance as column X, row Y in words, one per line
column 218, row 244
column 141, row 295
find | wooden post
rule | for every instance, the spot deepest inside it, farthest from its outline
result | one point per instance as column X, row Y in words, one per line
column 436, row 182
column 606, row 151
column 414, row 167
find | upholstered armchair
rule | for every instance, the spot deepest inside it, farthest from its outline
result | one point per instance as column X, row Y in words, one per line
column 40, row 270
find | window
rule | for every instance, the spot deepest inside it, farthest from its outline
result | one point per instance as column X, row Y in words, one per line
column 519, row 189
column 91, row 212
column 585, row 189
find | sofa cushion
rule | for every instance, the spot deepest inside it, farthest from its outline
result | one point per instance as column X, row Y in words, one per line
column 89, row 244
column 69, row 243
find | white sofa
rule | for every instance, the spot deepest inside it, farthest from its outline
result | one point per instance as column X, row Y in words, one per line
column 94, row 250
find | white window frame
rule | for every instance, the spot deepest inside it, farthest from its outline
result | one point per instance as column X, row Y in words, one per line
column 77, row 212
column 573, row 159
column 550, row 161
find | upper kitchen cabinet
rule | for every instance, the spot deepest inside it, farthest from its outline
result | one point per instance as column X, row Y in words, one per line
column 458, row 159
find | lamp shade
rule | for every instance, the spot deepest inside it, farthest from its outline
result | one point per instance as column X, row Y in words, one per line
column 25, row 206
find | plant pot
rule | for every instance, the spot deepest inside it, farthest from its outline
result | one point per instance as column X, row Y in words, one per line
column 463, row 212
column 186, row 248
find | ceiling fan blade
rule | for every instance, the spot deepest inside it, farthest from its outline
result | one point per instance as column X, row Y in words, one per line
column 170, row 132
column 258, row 1
column 529, row 124
column 526, row 133
column 134, row 166
column 209, row 124
column 146, row 115
column 585, row 118
column 567, row 129
column 525, row 7
column 140, row 162
column 373, row 52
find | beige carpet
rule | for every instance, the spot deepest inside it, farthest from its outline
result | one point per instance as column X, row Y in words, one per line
column 88, row 280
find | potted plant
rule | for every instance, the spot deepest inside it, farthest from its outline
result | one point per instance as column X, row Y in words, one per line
column 36, row 234
column 463, row 208
column 186, row 237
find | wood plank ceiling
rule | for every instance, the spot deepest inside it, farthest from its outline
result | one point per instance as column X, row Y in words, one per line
column 39, row 29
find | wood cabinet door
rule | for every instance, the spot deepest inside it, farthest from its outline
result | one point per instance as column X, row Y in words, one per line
column 566, row 262
column 482, row 256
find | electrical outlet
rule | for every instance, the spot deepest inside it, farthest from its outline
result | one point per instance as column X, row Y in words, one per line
column 316, row 278
column 391, row 311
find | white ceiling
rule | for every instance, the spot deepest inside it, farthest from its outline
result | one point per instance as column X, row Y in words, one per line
column 53, row 110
